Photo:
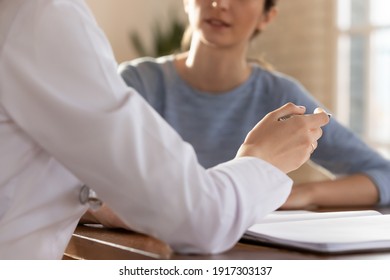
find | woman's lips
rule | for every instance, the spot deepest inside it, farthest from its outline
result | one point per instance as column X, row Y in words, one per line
column 217, row 23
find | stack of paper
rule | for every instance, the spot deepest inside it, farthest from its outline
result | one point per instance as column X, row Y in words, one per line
column 330, row 232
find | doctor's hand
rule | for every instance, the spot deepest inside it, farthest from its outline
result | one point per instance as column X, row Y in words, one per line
column 285, row 137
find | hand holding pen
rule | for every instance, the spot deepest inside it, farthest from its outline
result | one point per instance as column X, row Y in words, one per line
column 316, row 111
column 285, row 137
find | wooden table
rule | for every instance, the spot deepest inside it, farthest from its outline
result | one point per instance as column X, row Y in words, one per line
column 96, row 243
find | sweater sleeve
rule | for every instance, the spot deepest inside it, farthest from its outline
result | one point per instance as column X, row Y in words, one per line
column 339, row 149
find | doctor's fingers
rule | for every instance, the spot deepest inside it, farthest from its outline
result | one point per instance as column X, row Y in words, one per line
column 317, row 120
column 315, row 134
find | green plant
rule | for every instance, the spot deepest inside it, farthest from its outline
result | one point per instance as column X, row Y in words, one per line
column 164, row 41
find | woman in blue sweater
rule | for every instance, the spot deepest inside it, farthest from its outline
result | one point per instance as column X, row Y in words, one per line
column 212, row 95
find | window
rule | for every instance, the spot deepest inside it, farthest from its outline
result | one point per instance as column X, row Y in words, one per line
column 364, row 70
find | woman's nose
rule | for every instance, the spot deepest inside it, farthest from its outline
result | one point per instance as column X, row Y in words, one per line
column 222, row 4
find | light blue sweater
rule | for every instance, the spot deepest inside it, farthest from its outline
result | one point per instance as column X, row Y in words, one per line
column 216, row 125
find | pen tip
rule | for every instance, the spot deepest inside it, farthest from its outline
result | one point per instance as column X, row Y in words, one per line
column 320, row 110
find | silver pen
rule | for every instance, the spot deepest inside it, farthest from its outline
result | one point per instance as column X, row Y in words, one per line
column 289, row 116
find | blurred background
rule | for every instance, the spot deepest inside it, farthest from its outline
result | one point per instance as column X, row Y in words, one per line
column 338, row 49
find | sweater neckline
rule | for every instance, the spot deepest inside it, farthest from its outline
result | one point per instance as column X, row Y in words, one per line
column 177, row 80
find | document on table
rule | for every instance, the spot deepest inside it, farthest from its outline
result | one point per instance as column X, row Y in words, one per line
column 324, row 232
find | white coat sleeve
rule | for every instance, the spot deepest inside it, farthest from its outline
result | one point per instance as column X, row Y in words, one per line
column 68, row 97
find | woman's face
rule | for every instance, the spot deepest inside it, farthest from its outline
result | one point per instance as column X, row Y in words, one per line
column 225, row 23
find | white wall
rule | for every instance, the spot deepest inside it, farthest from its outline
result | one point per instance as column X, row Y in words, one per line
column 118, row 18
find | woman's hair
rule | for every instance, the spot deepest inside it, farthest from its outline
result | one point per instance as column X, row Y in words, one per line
column 269, row 4
column 186, row 40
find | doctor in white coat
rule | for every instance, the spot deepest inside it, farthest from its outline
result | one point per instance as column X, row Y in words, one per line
column 67, row 119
